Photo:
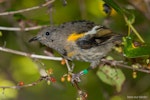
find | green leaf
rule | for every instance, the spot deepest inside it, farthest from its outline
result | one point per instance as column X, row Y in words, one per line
column 19, row 17
column 111, row 76
column 23, row 67
column 7, row 94
column 117, row 97
column 1, row 34
column 132, row 51
column 114, row 5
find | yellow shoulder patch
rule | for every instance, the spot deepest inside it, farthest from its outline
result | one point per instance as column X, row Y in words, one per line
column 75, row 36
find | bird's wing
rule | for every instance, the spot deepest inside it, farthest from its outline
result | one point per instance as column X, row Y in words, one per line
column 101, row 36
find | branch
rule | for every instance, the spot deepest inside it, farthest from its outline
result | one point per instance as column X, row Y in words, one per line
column 20, row 29
column 29, row 55
column 117, row 63
column 113, row 63
column 82, row 94
column 27, row 9
column 47, row 78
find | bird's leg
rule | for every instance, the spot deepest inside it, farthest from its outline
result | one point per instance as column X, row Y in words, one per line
column 76, row 77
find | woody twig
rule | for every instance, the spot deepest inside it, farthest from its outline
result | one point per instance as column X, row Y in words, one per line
column 111, row 62
column 27, row 9
column 20, row 29
column 29, row 54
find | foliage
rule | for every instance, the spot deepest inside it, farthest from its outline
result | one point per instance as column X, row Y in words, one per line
column 111, row 76
column 124, row 16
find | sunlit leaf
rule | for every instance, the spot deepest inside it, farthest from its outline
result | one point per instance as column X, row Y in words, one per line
column 23, row 66
column 111, row 76
column 95, row 8
column 7, row 94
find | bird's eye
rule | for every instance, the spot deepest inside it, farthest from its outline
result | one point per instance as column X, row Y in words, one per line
column 47, row 33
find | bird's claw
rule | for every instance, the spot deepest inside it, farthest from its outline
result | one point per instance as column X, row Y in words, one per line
column 75, row 78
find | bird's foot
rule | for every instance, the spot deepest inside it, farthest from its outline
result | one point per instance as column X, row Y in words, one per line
column 75, row 78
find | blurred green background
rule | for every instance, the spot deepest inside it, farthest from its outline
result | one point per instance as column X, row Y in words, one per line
column 14, row 68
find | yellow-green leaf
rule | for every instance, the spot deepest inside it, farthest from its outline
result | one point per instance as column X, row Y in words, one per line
column 7, row 94
column 1, row 33
column 111, row 76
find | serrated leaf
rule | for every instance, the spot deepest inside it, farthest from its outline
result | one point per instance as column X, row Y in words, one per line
column 111, row 76
column 131, row 51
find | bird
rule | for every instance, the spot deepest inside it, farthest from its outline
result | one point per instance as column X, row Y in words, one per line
column 80, row 40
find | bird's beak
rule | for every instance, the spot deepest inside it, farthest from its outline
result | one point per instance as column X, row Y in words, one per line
column 33, row 39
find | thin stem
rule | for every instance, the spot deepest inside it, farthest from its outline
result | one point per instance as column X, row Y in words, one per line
column 68, row 66
column 20, row 29
column 29, row 55
column 129, row 30
column 123, row 65
column 133, row 29
column 26, row 85
column 27, row 9
column 59, row 59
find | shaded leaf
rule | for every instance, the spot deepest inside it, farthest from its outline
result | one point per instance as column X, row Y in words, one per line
column 117, row 97
column 111, row 76
column 19, row 17
column 1, row 33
